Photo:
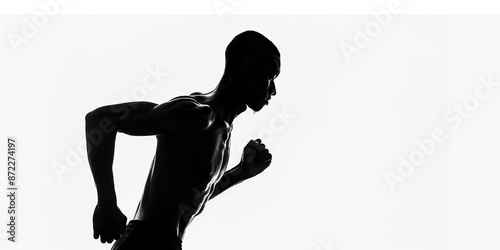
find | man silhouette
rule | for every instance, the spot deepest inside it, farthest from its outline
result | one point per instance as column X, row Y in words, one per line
column 193, row 134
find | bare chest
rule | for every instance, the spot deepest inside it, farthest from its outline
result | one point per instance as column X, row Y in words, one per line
column 204, row 155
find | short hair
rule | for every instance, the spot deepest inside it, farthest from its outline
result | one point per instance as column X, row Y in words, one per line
column 248, row 44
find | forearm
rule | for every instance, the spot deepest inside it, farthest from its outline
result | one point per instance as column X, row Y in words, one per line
column 230, row 178
column 100, row 151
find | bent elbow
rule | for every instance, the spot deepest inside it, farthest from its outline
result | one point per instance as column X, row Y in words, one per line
column 88, row 116
column 92, row 118
column 97, row 114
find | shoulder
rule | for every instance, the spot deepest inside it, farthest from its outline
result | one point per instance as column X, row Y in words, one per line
column 185, row 99
column 188, row 104
column 185, row 112
column 121, row 110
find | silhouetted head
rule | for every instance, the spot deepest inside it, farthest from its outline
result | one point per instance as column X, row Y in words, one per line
column 252, row 64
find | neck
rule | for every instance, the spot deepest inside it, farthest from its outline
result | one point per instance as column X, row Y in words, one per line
column 225, row 101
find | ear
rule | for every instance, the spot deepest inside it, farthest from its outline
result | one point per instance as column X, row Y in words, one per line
column 250, row 66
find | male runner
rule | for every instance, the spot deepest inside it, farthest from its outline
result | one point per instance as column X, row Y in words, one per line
column 193, row 134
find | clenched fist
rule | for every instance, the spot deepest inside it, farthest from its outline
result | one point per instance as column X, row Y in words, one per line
column 255, row 159
column 109, row 223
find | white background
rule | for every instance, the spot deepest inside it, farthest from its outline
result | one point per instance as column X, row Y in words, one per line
column 351, row 123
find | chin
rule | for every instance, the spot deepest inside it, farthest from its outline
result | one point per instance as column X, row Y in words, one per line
column 256, row 108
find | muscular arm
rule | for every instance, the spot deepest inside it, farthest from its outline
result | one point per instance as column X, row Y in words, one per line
column 183, row 116
column 101, row 127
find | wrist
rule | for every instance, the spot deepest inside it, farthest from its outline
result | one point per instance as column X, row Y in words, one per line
column 241, row 171
column 106, row 199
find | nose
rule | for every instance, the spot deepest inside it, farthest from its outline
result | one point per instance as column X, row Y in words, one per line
column 272, row 89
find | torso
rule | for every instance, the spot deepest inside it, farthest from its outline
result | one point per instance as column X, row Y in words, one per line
column 183, row 175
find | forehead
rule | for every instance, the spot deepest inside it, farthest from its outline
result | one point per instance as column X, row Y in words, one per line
column 273, row 66
column 277, row 62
